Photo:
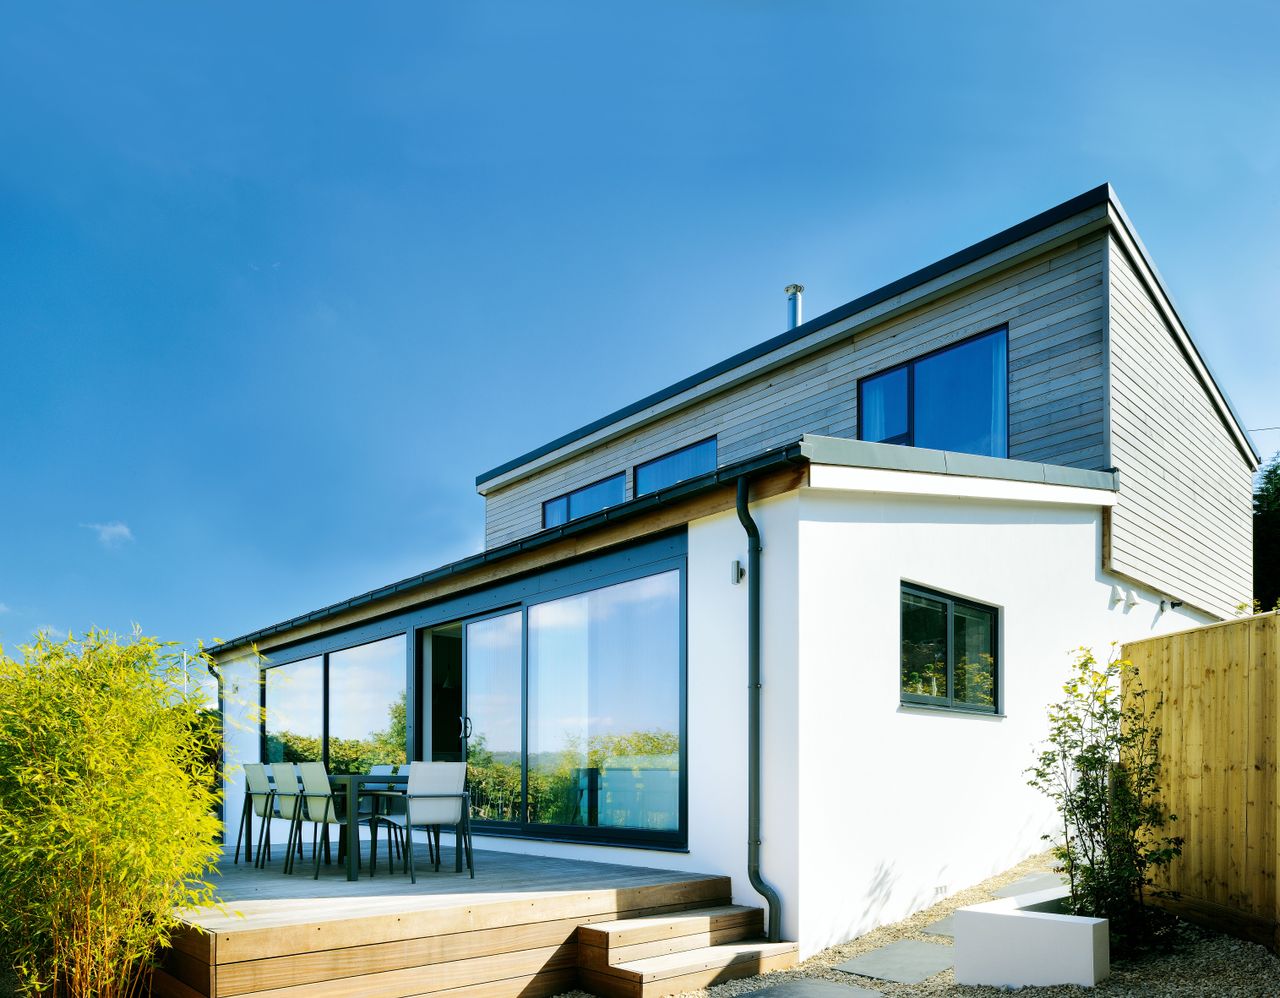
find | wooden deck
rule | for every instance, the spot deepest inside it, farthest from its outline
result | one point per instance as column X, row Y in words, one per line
column 512, row 931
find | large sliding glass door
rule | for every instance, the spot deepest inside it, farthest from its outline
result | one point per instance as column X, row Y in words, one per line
column 492, row 728
column 604, row 707
column 571, row 712
column 564, row 691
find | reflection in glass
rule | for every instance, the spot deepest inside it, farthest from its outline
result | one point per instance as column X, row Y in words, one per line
column 961, row 398
column 493, row 704
column 884, row 407
column 604, row 707
column 295, row 711
column 975, row 642
column 924, row 646
column 367, row 724
column 678, row 466
column 593, row 498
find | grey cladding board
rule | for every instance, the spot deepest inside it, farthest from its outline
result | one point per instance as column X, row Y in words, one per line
column 1183, row 520
column 1053, row 305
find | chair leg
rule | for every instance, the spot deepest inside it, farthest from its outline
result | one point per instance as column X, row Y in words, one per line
column 244, row 816
column 264, row 831
column 435, row 833
column 408, row 850
column 373, row 846
column 325, row 825
column 295, row 828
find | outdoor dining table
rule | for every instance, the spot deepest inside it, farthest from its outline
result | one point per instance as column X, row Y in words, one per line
column 351, row 784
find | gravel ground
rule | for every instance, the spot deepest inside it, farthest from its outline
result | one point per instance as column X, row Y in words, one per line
column 1205, row 964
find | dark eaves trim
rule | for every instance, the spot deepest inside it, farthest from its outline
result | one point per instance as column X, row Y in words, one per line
column 778, row 457
column 1082, row 202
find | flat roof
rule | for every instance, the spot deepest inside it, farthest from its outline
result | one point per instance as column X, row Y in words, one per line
column 1103, row 194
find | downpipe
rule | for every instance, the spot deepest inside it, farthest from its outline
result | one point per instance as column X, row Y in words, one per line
column 753, row 715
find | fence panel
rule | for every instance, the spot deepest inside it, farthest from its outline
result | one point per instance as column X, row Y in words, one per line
column 1219, row 721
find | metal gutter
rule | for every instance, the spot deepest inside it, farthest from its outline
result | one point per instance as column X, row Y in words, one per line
column 754, row 548
column 1074, row 206
column 726, row 475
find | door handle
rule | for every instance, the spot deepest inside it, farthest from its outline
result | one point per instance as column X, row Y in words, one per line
column 466, row 727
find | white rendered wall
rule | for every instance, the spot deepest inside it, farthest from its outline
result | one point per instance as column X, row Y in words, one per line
column 900, row 805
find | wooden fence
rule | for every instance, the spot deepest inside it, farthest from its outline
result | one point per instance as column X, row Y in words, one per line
column 1221, row 737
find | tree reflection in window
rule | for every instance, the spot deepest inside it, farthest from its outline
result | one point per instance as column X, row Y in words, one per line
column 948, row 651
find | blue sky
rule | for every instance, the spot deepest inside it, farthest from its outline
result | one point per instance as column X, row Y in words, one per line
column 277, row 281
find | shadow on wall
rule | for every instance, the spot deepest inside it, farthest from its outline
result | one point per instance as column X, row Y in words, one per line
column 885, row 903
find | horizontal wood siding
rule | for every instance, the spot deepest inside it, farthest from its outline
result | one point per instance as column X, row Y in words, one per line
column 1183, row 521
column 1054, row 306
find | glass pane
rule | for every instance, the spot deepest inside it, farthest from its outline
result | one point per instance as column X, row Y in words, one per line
column 689, row 462
column 596, row 497
column 962, row 398
column 493, row 704
column 604, row 707
column 555, row 512
column 295, row 711
column 924, row 646
column 975, row 668
column 884, row 407
column 367, row 706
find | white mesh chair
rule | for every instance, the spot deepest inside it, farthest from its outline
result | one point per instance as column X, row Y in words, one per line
column 385, row 799
column 288, row 801
column 436, row 795
column 259, row 799
column 320, row 806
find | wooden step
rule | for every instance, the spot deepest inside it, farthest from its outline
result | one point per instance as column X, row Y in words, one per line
column 619, row 937
column 687, row 970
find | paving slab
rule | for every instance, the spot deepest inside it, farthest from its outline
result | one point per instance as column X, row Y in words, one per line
column 908, row 961
column 809, row 987
column 942, row 927
column 1027, row 885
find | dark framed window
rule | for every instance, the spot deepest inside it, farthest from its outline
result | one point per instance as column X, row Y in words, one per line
column 956, row 399
column 581, row 502
column 346, row 708
column 678, row 466
column 949, row 651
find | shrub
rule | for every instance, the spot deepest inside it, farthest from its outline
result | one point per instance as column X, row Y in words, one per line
column 1100, row 767
column 107, row 799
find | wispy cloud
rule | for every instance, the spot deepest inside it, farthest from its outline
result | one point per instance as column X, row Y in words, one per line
column 112, row 534
column 5, row 608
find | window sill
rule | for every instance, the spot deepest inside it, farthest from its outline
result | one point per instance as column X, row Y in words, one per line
column 937, row 708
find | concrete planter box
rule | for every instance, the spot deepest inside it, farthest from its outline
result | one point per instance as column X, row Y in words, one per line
column 1027, row 940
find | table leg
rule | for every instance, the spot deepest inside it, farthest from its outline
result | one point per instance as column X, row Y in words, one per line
column 352, row 830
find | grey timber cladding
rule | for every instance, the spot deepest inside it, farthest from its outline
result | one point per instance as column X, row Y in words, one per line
column 1183, row 519
column 1053, row 305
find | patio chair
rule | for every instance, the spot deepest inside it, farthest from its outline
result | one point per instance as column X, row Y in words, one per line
column 288, row 800
column 322, row 806
column 387, row 800
column 259, row 799
column 435, row 796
